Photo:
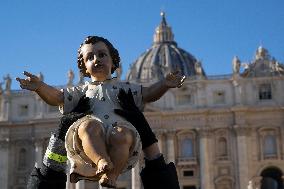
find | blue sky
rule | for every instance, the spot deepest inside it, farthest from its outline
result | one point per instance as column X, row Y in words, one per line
column 43, row 36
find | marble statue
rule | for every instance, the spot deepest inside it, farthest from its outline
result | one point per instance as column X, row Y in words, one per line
column 70, row 78
column 198, row 68
column 81, row 78
column 40, row 76
column 8, row 82
column 236, row 65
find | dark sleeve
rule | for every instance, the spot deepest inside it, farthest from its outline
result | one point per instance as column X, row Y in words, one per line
column 158, row 174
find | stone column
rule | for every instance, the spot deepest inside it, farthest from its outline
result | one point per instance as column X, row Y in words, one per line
column 135, row 178
column 38, row 153
column 205, row 177
column 1, row 105
column 69, row 185
column 170, row 146
column 201, row 94
column 242, row 156
column 282, row 143
column 4, row 157
column 160, row 137
column 237, row 91
column 6, row 107
column 40, row 105
column 80, row 184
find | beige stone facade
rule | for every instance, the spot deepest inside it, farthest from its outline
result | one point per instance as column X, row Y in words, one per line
column 222, row 132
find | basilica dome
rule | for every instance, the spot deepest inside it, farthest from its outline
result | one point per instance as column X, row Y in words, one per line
column 162, row 57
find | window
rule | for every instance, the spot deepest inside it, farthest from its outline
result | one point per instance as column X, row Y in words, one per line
column 23, row 110
column 187, row 148
column 188, row 173
column 222, row 147
column 219, row 97
column 189, row 187
column 265, row 92
column 270, row 145
column 183, row 99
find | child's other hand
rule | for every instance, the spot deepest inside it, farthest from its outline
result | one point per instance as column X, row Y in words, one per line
column 31, row 82
column 174, row 79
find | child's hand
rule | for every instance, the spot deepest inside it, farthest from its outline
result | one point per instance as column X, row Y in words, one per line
column 174, row 79
column 31, row 83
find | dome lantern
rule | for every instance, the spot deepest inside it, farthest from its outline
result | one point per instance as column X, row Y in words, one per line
column 163, row 32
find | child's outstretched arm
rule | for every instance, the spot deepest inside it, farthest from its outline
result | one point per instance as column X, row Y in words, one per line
column 49, row 94
column 157, row 90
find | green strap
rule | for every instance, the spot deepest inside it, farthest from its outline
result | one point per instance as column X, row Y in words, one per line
column 56, row 157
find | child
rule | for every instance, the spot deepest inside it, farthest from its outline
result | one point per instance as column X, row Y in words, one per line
column 102, row 145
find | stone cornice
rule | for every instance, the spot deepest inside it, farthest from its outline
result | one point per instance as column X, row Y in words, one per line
column 182, row 120
column 5, row 123
column 212, row 111
column 221, row 118
column 32, row 122
column 22, row 142
column 211, row 118
column 259, row 108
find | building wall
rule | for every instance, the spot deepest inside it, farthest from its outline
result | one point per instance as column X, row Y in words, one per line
column 218, row 113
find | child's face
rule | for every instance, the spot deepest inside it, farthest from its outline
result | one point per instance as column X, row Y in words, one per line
column 97, row 60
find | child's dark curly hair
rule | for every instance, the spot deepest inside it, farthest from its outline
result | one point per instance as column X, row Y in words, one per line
column 92, row 40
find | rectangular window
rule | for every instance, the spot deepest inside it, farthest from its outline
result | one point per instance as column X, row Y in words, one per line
column 270, row 146
column 219, row 97
column 23, row 110
column 188, row 173
column 189, row 187
column 265, row 92
column 183, row 99
column 187, row 150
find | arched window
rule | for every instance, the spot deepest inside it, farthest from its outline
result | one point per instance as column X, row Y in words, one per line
column 270, row 145
column 187, row 148
column 22, row 158
column 222, row 147
column 271, row 178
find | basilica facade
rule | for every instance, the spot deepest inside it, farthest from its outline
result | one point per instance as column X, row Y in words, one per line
column 221, row 131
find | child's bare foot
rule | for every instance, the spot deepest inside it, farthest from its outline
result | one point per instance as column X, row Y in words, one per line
column 108, row 180
column 104, row 166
